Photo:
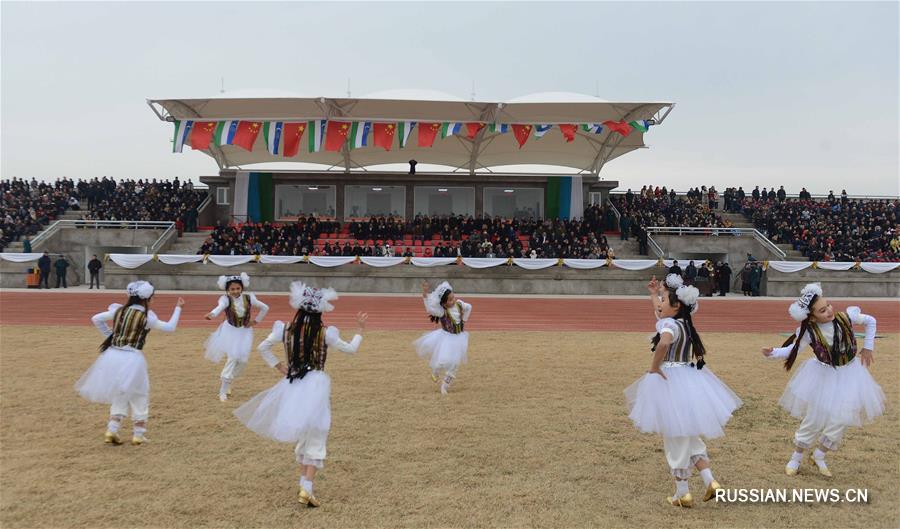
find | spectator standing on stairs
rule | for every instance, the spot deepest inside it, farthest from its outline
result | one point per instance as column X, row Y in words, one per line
column 94, row 267
column 61, row 266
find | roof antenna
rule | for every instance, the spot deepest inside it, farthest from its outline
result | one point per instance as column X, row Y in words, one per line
column 348, row 87
column 473, row 90
column 222, row 90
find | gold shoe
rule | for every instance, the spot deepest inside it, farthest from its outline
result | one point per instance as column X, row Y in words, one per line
column 711, row 490
column 790, row 471
column 824, row 471
column 686, row 501
column 228, row 393
column 223, row 398
column 435, row 378
column 112, row 438
column 138, row 440
column 307, row 499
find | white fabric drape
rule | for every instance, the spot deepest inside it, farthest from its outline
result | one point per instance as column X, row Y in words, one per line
column 428, row 262
column 790, row 266
column 878, row 268
column 330, row 261
column 383, row 262
column 584, row 264
column 844, row 265
column 280, row 259
column 535, row 264
column 484, row 262
column 172, row 259
column 20, row 257
column 230, row 260
column 131, row 260
column 634, row 264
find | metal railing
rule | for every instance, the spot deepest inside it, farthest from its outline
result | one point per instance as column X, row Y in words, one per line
column 653, row 245
column 733, row 232
column 51, row 230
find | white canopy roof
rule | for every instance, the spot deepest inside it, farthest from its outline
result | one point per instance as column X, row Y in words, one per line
column 588, row 153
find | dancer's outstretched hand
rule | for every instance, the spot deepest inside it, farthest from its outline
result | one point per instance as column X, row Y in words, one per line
column 361, row 318
column 424, row 287
column 653, row 285
column 767, row 352
column 180, row 302
column 208, row 316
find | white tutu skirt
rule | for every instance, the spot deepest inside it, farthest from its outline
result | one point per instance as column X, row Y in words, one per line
column 443, row 350
column 847, row 395
column 233, row 342
column 117, row 373
column 689, row 402
column 290, row 411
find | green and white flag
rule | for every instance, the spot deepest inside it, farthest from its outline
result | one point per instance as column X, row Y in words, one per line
column 316, row 132
column 405, row 131
column 359, row 133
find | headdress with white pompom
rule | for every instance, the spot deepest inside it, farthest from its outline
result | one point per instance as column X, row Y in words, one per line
column 799, row 310
column 141, row 289
column 312, row 299
column 243, row 279
column 686, row 294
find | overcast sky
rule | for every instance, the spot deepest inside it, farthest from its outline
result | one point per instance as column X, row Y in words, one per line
column 800, row 94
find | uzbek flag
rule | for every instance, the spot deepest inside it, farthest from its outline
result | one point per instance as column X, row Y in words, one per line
column 449, row 129
column 359, row 134
column 639, row 125
column 592, row 128
column 182, row 129
column 540, row 130
column 225, row 132
column 316, row 133
column 499, row 128
column 405, row 130
column 272, row 135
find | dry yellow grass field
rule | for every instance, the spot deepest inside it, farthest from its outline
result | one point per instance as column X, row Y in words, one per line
column 534, row 434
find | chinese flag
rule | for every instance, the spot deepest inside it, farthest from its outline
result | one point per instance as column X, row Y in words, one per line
column 568, row 131
column 619, row 126
column 292, row 133
column 472, row 129
column 202, row 133
column 384, row 134
column 521, row 132
column 427, row 133
column 336, row 135
column 246, row 134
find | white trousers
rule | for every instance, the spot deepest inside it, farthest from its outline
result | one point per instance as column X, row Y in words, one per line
column 139, row 405
column 233, row 369
column 826, row 431
column 682, row 453
column 310, row 450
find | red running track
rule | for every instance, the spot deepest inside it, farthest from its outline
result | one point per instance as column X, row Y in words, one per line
column 732, row 314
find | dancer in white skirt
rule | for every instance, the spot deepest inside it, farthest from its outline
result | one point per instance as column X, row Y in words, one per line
column 445, row 348
column 119, row 375
column 678, row 398
column 834, row 389
column 298, row 408
column 234, row 337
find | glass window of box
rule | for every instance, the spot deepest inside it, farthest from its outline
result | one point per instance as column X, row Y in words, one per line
column 440, row 200
column 292, row 201
column 514, row 202
column 373, row 201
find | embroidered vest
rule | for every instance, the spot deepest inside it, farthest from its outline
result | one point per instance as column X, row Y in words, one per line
column 130, row 328
column 449, row 325
column 231, row 314
column 310, row 360
column 680, row 350
column 838, row 354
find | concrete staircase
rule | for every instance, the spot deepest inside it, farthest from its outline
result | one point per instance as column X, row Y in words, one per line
column 18, row 247
column 738, row 220
column 626, row 249
column 188, row 244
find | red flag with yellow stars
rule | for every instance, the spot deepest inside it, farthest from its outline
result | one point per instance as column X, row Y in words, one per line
column 568, row 132
column 384, row 134
column 292, row 133
column 336, row 135
column 522, row 132
column 202, row 134
column 246, row 134
column 619, row 126
column 427, row 133
column 472, row 129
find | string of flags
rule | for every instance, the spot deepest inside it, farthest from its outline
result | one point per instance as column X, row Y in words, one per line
column 284, row 138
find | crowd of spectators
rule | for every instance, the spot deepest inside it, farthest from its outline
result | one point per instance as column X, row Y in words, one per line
column 834, row 229
column 141, row 200
column 28, row 206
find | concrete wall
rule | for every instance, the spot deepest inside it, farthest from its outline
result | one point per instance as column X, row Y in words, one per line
column 78, row 245
column 498, row 280
column 733, row 249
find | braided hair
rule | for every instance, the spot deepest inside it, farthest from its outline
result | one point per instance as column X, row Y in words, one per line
column 684, row 313
column 132, row 300
column 841, row 338
column 444, row 298
column 304, row 329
